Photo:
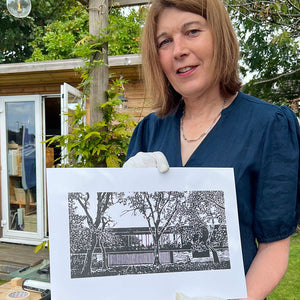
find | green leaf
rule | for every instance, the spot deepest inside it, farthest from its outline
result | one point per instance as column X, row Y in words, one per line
column 112, row 161
column 94, row 133
column 277, row 6
column 43, row 245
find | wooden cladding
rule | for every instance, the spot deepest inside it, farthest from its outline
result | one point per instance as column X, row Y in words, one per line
column 45, row 78
column 138, row 104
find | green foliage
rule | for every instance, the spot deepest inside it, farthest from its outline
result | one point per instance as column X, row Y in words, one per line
column 58, row 39
column 91, row 46
column 67, row 37
column 279, row 12
column 16, row 34
column 268, row 55
column 269, row 47
column 103, row 143
column 54, row 29
column 124, row 31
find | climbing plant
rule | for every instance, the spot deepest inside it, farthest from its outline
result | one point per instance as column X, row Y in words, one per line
column 103, row 143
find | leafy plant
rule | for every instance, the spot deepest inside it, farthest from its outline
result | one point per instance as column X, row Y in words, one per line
column 103, row 143
column 268, row 33
column 58, row 39
column 125, row 30
column 16, row 34
column 64, row 37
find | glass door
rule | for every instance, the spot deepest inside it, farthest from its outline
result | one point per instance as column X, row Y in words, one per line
column 22, row 168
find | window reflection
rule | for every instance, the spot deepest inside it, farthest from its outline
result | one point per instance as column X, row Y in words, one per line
column 21, row 165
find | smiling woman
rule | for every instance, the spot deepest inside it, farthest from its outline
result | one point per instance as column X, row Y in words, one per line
column 185, row 48
column 190, row 59
column 225, row 49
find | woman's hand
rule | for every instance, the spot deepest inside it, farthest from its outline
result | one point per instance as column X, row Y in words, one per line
column 148, row 160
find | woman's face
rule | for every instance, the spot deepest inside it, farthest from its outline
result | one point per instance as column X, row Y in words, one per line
column 185, row 48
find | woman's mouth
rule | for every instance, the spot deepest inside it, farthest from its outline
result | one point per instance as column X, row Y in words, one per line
column 185, row 69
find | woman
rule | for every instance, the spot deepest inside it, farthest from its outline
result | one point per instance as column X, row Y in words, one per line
column 190, row 59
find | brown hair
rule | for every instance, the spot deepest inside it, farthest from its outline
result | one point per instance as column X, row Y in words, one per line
column 225, row 56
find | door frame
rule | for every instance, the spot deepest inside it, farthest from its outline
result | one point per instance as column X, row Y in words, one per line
column 18, row 236
column 67, row 90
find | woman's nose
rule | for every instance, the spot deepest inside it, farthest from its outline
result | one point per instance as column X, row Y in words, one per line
column 180, row 48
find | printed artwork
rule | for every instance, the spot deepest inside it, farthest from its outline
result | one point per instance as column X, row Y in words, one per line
column 124, row 233
column 182, row 231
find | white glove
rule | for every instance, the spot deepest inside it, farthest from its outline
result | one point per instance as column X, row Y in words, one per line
column 180, row 296
column 148, row 160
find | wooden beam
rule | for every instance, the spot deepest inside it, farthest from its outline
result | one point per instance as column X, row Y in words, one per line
column 123, row 3
column 45, row 66
column 57, row 72
column 66, row 64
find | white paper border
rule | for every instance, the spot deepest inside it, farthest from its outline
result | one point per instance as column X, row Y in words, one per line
column 218, row 283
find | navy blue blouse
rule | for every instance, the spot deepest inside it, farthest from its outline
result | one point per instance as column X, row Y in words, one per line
column 261, row 142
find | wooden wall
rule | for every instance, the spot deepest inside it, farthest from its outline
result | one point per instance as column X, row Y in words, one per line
column 48, row 83
column 138, row 104
column 37, row 82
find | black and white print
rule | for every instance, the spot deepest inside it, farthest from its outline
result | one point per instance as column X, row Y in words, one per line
column 147, row 232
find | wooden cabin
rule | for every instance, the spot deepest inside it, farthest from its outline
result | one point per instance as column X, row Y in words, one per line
column 33, row 97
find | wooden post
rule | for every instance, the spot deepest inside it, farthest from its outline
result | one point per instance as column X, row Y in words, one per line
column 98, row 20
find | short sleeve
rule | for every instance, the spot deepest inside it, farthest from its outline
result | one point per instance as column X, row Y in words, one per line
column 277, row 204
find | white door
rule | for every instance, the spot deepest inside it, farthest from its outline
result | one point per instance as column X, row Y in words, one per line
column 70, row 98
column 22, row 169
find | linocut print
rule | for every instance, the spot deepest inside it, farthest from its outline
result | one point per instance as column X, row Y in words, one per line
column 178, row 231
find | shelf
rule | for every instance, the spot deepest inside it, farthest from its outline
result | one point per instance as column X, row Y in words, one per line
column 19, row 197
column 22, row 204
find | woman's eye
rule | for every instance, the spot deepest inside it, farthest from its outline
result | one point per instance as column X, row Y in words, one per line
column 163, row 43
column 193, row 32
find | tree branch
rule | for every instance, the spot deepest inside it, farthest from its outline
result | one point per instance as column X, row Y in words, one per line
column 294, row 6
column 84, row 206
column 289, row 20
column 277, row 77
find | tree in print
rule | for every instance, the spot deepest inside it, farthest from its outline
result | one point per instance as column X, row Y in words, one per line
column 159, row 209
column 79, row 234
column 97, row 235
column 198, row 214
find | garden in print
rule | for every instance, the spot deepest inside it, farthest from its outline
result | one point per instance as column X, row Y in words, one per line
column 164, row 231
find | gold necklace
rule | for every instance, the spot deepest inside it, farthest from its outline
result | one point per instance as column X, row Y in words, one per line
column 202, row 135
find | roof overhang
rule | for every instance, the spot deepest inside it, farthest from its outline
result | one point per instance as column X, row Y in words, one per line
column 59, row 71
